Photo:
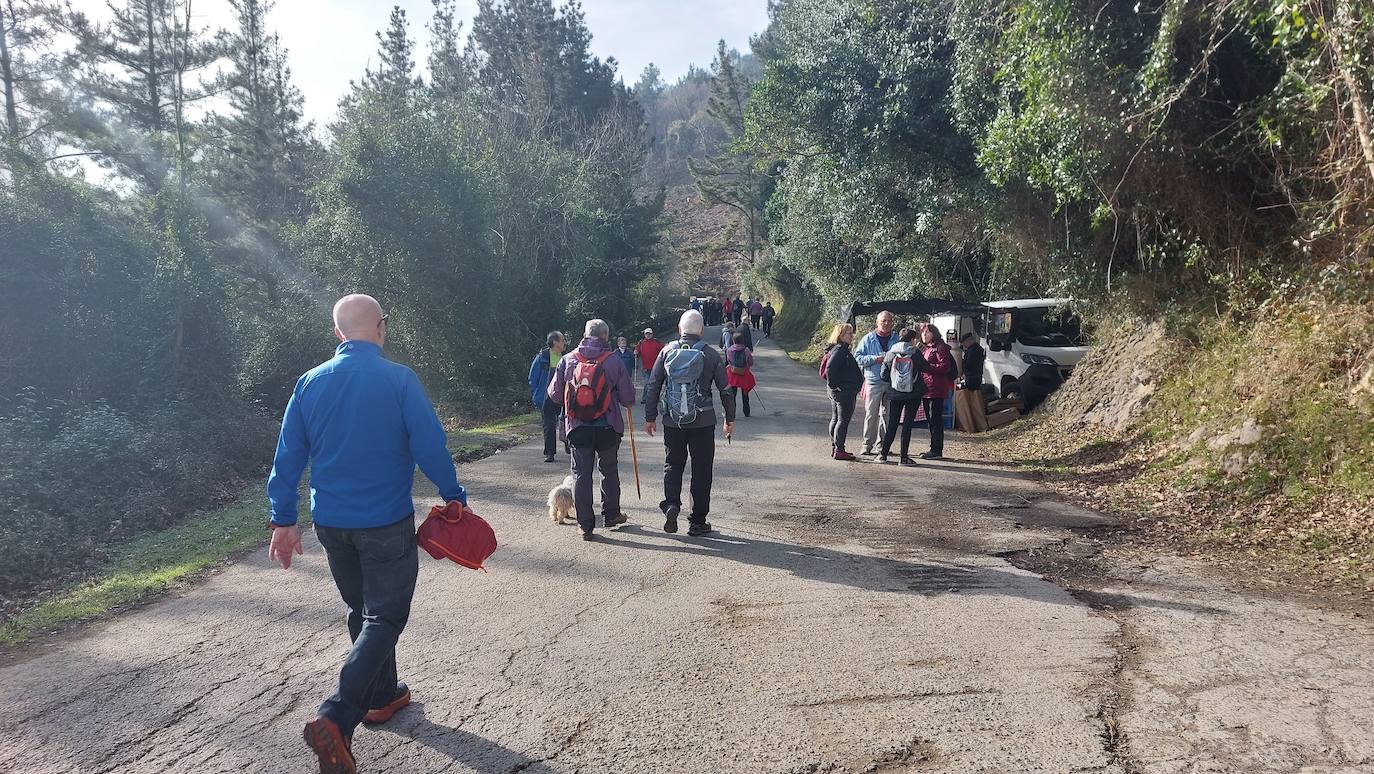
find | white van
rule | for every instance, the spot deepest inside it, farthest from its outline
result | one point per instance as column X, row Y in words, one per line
column 1032, row 344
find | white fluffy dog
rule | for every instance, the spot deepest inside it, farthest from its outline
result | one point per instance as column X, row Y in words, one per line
column 561, row 501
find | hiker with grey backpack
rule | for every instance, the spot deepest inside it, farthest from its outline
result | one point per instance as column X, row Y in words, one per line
column 680, row 388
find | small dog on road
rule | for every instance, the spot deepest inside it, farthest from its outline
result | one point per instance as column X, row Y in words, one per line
column 561, row 501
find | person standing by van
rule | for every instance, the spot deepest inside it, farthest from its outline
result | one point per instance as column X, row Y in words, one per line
column 939, row 381
column 974, row 357
column 870, row 354
column 904, row 367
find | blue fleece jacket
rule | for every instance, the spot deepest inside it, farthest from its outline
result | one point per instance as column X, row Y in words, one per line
column 870, row 353
column 361, row 422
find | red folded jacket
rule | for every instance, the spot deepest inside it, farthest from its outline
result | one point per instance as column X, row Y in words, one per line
column 453, row 531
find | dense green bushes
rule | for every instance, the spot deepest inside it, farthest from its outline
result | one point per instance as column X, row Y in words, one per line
column 157, row 322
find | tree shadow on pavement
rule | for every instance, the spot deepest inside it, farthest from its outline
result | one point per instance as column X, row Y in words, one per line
column 870, row 573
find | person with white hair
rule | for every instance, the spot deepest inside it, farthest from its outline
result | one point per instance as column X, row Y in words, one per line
column 683, row 379
column 361, row 423
column 593, row 385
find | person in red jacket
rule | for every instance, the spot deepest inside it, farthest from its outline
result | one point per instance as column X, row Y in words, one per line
column 939, row 384
column 648, row 350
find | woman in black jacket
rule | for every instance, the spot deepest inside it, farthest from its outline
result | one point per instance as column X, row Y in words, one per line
column 844, row 378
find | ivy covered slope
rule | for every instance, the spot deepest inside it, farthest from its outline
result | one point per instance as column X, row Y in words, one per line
column 1205, row 169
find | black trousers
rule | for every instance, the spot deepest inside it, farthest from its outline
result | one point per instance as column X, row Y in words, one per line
column 549, row 416
column 595, row 448
column 935, row 414
column 901, row 413
column 841, row 411
column 699, row 443
column 768, row 326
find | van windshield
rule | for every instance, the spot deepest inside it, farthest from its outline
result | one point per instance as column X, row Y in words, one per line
column 1045, row 327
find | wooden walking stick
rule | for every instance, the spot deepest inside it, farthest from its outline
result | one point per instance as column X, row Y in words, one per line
column 634, row 454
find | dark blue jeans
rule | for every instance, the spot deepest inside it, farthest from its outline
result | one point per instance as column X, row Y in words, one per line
column 375, row 571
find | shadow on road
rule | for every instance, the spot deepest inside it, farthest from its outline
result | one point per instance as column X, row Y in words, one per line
column 870, row 573
column 466, row 749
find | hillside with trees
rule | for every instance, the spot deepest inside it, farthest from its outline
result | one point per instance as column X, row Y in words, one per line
column 159, row 310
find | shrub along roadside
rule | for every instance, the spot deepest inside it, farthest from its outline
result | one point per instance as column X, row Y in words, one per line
column 152, row 563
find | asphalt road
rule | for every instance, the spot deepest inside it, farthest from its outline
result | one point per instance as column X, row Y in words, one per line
column 847, row 617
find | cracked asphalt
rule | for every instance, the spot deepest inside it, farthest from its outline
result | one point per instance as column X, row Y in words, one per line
column 845, row 618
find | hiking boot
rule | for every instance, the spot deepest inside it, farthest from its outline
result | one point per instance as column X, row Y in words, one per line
column 549, row 458
column 330, row 746
column 882, row 458
column 868, row 451
column 699, row 528
column 588, row 535
column 670, row 513
column 383, row 714
column 616, row 521
column 909, row 462
column 844, row 456
column 930, row 455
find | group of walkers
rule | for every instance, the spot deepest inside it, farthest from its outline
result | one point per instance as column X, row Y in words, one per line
column 903, row 376
column 362, row 423
column 758, row 314
column 590, row 388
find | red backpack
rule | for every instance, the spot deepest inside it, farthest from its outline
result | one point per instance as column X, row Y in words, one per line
column 587, row 396
column 452, row 531
column 825, row 365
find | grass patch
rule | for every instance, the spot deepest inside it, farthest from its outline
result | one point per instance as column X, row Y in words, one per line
column 150, row 564
column 474, row 443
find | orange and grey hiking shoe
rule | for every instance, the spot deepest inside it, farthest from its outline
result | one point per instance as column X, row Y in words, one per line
column 328, row 742
column 383, row 714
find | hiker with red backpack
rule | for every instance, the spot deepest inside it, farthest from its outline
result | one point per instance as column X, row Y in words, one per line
column 939, row 383
column 739, row 370
column 361, row 423
column 843, row 380
column 683, row 379
column 593, row 384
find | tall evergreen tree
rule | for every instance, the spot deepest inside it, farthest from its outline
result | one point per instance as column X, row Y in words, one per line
column 730, row 176
column 394, row 82
column 450, row 69
column 135, row 72
column 261, row 159
column 26, row 62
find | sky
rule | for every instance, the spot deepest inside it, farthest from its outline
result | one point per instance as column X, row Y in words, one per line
column 332, row 41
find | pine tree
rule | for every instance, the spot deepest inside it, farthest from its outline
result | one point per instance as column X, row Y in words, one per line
column 394, row 82
column 263, row 145
column 450, row 69
column 136, row 72
column 26, row 62
column 730, row 176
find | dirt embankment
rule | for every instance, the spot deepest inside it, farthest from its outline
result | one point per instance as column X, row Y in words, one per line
column 1251, row 446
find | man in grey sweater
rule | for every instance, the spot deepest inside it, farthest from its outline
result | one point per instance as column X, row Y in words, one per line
column 695, row 438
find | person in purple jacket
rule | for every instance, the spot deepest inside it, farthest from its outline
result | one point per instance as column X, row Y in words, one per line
column 595, row 441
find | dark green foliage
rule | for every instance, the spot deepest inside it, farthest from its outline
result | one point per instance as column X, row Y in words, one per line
column 1169, row 153
column 157, row 326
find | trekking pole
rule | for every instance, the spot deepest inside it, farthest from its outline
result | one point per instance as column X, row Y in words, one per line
column 634, row 454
